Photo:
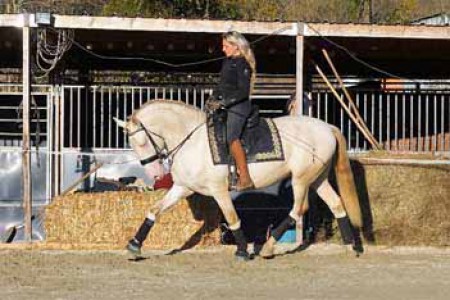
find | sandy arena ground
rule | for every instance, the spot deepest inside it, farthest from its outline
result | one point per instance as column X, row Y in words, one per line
column 323, row 271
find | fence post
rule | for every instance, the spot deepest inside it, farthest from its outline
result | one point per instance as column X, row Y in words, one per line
column 300, row 46
column 26, row 154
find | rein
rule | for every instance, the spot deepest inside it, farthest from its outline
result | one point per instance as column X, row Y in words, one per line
column 163, row 153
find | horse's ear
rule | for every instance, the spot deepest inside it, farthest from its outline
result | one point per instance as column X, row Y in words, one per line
column 120, row 123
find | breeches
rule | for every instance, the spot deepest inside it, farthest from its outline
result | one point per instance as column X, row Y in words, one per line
column 236, row 119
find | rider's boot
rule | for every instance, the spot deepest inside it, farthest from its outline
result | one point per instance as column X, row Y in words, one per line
column 245, row 182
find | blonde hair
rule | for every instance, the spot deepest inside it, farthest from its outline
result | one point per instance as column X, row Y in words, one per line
column 243, row 46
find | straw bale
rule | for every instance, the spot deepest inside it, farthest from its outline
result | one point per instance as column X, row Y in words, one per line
column 108, row 220
column 405, row 204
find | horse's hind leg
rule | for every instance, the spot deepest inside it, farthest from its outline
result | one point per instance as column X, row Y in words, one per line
column 171, row 198
column 295, row 217
column 334, row 202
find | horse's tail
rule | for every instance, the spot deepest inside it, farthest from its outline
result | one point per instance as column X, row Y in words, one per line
column 345, row 180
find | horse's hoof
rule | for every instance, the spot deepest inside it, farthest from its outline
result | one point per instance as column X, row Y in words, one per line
column 134, row 248
column 267, row 250
column 359, row 249
column 242, row 255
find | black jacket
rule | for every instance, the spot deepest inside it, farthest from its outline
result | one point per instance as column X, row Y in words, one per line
column 234, row 85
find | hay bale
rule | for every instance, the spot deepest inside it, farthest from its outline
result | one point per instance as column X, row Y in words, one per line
column 405, row 204
column 108, row 220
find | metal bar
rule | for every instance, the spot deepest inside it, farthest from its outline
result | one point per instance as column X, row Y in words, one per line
column 70, row 117
column 110, row 113
column 388, row 122
column 319, row 106
column 435, row 131
column 372, row 128
column 79, row 117
column 49, row 146
column 326, row 108
column 94, row 110
column 396, row 125
column 62, row 114
column 403, row 122
column 427, row 125
column 117, row 115
column 133, row 100
column 365, row 120
column 102, row 117
column 442, row 123
column 419, row 123
column 194, row 96
column 411, row 122
column 357, row 132
column 380, row 116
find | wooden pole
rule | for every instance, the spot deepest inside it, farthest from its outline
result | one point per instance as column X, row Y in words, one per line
column 375, row 146
column 352, row 104
column 300, row 45
column 26, row 154
column 77, row 182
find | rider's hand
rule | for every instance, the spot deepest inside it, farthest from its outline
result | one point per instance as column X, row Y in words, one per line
column 213, row 105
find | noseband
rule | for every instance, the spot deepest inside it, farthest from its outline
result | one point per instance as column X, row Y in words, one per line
column 160, row 153
column 163, row 153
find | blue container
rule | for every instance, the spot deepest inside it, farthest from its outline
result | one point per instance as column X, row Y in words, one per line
column 288, row 237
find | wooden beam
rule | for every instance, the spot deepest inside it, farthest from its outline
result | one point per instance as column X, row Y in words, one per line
column 300, row 44
column 26, row 154
column 174, row 25
column 378, row 31
column 79, row 180
column 219, row 26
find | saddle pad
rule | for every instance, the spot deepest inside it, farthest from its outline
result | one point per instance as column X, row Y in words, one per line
column 261, row 143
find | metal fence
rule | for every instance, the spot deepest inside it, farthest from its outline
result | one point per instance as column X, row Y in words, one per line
column 400, row 121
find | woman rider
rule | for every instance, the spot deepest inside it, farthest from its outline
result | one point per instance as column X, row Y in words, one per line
column 237, row 78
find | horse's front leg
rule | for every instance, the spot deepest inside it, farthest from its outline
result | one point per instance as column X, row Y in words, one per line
column 171, row 198
column 225, row 203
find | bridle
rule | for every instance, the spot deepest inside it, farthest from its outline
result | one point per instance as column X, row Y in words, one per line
column 161, row 153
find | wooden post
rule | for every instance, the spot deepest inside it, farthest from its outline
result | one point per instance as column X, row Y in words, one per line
column 300, row 45
column 26, row 154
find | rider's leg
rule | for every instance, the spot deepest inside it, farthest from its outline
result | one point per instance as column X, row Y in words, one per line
column 245, row 182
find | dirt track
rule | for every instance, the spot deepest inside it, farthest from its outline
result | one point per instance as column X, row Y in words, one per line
column 321, row 272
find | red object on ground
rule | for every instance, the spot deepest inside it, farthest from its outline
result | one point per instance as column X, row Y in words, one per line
column 164, row 183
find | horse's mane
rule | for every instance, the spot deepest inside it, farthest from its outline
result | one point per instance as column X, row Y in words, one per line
column 176, row 105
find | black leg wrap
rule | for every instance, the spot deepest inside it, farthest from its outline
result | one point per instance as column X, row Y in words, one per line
column 241, row 241
column 346, row 229
column 278, row 232
column 143, row 231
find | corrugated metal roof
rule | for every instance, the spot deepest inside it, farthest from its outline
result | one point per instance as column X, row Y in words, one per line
column 440, row 19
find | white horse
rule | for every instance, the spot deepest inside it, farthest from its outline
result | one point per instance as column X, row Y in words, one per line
column 167, row 131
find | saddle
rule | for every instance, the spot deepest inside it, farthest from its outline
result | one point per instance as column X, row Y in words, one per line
column 260, row 139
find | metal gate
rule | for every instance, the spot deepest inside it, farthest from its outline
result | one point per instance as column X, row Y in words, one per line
column 41, row 125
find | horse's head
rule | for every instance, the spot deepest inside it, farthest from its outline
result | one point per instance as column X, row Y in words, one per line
column 150, row 149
